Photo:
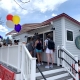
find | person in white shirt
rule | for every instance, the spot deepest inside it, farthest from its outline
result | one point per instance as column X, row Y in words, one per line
column 49, row 53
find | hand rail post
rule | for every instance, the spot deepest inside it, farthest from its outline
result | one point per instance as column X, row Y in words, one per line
column 33, row 69
column 1, row 53
column 62, row 54
column 19, row 56
column 8, row 55
column 22, row 63
column 76, row 67
column 58, row 60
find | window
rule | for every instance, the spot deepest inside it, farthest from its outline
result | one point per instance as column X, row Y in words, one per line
column 69, row 35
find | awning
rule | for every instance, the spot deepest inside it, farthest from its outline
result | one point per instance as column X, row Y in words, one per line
column 27, row 28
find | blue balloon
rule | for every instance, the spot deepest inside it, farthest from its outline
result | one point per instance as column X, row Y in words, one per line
column 18, row 28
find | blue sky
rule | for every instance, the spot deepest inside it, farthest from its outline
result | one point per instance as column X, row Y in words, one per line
column 37, row 11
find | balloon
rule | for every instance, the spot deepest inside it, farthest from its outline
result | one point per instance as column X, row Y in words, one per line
column 1, row 37
column 10, row 24
column 17, row 27
column 16, row 19
column 9, row 17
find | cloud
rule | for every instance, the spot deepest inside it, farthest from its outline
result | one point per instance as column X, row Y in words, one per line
column 54, row 15
column 34, row 5
column 44, row 5
column 3, row 29
column 11, row 6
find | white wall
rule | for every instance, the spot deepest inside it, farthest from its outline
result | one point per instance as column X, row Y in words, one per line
column 57, row 35
column 21, row 37
column 71, row 45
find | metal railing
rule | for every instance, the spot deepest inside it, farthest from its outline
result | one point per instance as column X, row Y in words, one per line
column 68, row 61
column 41, row 73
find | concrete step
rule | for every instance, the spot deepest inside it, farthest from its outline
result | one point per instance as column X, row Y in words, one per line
column 50, row 71
column 42, row 67
column 56, row 73
column 54, row 76
column 66, row 78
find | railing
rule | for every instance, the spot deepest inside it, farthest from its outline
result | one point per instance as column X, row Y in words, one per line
column 9, row 55
column 28, row 66
column 18, row 57
column 68, row 61
column 41, row 72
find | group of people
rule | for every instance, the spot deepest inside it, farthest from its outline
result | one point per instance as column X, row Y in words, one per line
column 35, row 47
column 2, row 43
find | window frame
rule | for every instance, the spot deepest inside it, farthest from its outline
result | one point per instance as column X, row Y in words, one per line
column 66, row 35
column 53, row 31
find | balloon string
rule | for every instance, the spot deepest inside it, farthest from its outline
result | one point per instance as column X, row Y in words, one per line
column 20, row 5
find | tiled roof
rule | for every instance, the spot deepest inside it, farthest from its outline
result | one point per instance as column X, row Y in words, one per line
column 32, row 26
column 59, row 16
column 27, row 27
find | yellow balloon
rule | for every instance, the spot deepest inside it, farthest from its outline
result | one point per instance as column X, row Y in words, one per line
column 16, row 19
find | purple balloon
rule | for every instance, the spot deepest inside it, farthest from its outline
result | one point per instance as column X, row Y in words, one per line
column 1, row 37
column 17, row 27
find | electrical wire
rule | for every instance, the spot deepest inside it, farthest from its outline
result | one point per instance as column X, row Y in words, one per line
column 22, row 2
column 19, row 4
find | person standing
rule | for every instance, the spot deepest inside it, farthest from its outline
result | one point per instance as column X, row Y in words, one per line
column 38, row 46
column 49, row 51
column 34, row 51
column 29, row 45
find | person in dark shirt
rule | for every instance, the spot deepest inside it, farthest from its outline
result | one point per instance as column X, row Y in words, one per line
column 38, row 46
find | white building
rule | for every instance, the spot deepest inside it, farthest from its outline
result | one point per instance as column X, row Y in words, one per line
column 63, row 29
column 65, row 32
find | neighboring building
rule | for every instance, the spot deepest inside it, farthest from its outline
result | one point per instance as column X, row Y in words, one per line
column 63, row 29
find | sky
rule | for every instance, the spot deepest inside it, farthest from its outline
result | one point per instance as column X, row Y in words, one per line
column 36, row 11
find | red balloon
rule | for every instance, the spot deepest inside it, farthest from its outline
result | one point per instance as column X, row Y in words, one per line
column 9, row 17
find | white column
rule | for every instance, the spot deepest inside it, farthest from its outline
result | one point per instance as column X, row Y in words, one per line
column 33, row 69
column 62, row 55
column 22, row 63
column 63, row 31
column 63, row 38
column 58, row 60
column 19, row 56
column 17, row 77
column 1, row 52
column 76, row 67
column 8, row 55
